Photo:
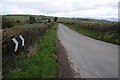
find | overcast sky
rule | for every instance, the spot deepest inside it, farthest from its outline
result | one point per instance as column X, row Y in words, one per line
column 62, row 8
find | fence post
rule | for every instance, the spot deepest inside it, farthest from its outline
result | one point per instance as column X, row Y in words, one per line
column 13, row 60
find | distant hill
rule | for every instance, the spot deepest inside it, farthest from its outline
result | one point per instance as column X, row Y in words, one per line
column 112, row 19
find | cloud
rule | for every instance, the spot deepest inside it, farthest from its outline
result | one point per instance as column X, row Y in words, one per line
column 62, row 8
column 47, row 7
column 17, row 9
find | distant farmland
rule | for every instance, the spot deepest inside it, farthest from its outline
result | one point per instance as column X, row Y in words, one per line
column 20, row 18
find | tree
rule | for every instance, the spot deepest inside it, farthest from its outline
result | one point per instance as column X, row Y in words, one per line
column 118, row 27
column 49, row 20
column 55, row 19
column 32, row 20
column 17, row 21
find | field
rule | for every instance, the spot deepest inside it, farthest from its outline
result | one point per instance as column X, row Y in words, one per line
column 20, row 18
column 24, row 18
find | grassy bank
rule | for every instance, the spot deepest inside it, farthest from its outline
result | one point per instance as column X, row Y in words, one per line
column 29, row 25
column 111, row 37
column 40, row 65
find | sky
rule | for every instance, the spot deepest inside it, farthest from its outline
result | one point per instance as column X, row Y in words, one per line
column 62, row 8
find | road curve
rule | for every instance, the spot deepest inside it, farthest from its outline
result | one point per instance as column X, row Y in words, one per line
column 89, row 57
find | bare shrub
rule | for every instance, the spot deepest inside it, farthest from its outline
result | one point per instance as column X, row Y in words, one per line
column 7, row 23
column 31, row 35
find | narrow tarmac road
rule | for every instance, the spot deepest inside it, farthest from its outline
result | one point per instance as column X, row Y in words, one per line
column 89, row 57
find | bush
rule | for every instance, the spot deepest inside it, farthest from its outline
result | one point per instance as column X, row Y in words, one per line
column 31, row 35
column 118, row 26
column 49, row 20
column 55, row 19
column 97, row 26
column 32, row 20
column 7, row 23
column 17, row 21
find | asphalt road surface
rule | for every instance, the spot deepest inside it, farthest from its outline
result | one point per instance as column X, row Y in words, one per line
column 89, row 57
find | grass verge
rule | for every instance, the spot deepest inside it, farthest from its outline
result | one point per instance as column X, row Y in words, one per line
column 28, row 25
column 40, row 65
column 111, row 37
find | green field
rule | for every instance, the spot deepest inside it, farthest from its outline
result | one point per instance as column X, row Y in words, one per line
column 24, row 18
column 42, row 64
column 41, row 16
column 20, row 18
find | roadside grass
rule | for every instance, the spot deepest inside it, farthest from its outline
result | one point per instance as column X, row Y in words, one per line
column 28, row 25
column 42, row 64
column 111, row 37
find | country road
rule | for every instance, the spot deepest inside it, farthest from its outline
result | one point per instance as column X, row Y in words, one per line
column 89, row 57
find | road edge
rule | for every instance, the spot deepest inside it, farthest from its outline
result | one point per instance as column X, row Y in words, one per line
column 65, row 69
